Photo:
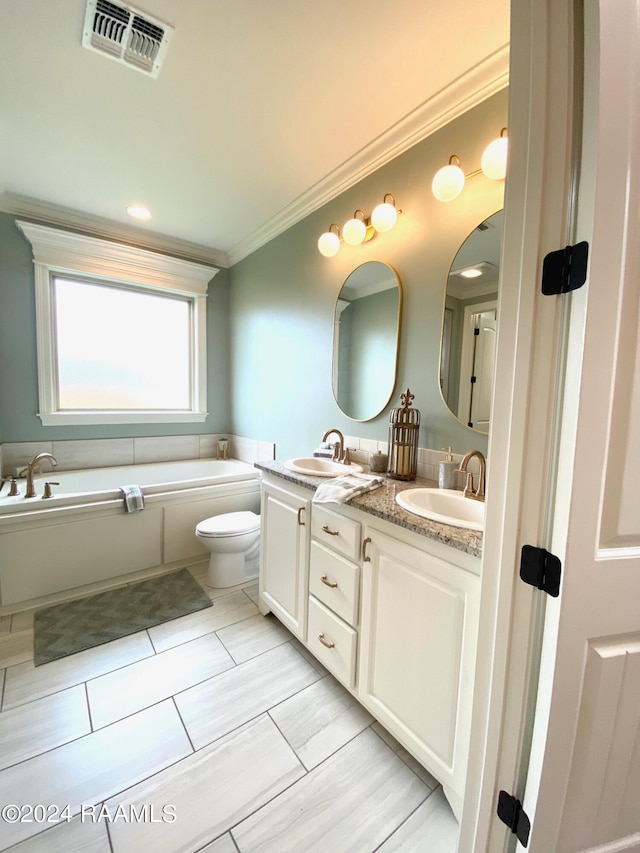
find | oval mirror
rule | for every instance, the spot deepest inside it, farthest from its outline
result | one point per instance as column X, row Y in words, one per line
column 365, row 340
column 467, row 351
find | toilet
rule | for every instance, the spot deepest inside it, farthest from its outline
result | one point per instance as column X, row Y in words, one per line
column 234, row 542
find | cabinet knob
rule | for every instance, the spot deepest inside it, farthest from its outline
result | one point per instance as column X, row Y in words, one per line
column 327, row 582
column 324, row 642
column 331, row 532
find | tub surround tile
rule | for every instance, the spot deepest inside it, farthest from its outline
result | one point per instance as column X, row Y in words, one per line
column 244, row 449
column 214, row 708
column 319, row 720
column 211, row 790
column 16, row 648
column 431, row 827
column 253, row 636
column 77, row 836
column 97, row 766
column 226, row 610
column 93, row 453
column 352, row 802
column 25, row 682
column 117, row 694
column 43, row 725
column 18, row 454
column 166, row 448
column 266, row 450
column 208, row 445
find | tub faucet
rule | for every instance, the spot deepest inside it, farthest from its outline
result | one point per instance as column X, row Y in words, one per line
column 31, row 467
column 468, row 491
column 339, row 453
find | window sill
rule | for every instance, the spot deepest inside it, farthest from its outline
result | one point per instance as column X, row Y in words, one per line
column 89, row 418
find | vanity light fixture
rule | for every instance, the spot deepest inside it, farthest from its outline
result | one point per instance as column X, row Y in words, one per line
column 448, row 182
column 360, row 229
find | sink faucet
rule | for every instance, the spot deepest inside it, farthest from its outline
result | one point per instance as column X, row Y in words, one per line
column 468, row 491
column 339, row 452
column 31, row 467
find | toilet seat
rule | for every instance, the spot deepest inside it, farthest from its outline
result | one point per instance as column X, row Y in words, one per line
column 229, row 524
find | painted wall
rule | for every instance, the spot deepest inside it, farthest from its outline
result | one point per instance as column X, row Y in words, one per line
column 18, row 363
column 283, row 297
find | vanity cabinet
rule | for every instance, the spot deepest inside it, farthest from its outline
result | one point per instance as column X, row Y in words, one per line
column 417, row 639
column 284, row 555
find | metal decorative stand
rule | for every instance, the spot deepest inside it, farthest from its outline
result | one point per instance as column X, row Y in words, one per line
column 404, row 426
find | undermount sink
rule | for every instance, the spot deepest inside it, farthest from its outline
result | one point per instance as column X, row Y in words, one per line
column 316, row 466
column 448, row 506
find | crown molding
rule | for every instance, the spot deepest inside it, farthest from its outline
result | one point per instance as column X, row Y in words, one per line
column 96, row 226
column 467, row 91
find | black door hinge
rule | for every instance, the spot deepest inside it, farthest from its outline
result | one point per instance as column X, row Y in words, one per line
column 565, row 269
column 510, row 811
column 541, row 569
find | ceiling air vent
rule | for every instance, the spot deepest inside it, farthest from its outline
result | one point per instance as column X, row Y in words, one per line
column 126, row 35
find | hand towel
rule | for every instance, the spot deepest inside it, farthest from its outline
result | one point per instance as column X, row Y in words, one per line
column 133, row 500
column 342, row 489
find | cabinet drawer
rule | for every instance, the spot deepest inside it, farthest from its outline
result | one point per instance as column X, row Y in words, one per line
column 333, row 642
column 337, row 532
column 334, row 581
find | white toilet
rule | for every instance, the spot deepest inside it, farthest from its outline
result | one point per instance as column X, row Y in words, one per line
column 234, row 542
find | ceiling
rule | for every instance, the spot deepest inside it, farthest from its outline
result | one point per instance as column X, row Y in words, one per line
column 262, row 111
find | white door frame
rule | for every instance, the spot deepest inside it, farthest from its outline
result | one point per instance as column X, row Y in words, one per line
column 543, row 133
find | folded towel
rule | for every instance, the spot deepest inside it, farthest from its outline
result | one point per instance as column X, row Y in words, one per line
column 342, row 489
column 133, row 500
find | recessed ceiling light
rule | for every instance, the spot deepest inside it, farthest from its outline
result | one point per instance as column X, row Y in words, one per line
column 139, row 211
column 471, row 273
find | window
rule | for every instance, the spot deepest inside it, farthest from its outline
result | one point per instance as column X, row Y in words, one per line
column 121, row 332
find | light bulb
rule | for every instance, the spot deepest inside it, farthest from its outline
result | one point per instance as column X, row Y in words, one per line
column 494, row 159
column 448, row 182
column 354, row 231
column 328, row 244
column 384, row 217
column 139, row 211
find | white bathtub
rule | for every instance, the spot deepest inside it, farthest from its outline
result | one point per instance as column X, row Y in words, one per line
column 82, row 537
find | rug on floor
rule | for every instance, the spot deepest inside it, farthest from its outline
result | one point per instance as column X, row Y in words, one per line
column 74, row 626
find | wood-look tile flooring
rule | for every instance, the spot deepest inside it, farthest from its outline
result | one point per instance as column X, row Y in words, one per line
column 214, row 732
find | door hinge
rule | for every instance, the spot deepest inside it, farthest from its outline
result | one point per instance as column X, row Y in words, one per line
column 565, row 269
column 510, row 811
column 541, row 569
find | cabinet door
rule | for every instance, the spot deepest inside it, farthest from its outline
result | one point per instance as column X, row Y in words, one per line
column 418, row 631
column 284, row 557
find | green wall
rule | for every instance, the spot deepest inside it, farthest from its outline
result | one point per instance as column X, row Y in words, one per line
column 283, row 297
column 18, row 363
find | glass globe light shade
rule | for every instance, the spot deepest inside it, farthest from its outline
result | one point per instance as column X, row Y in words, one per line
column 448, row 182
column 384, row 217
column 494, row 159
column 328, row 244
column 354, row 232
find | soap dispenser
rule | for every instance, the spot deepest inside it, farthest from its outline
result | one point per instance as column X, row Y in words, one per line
column 447, row 471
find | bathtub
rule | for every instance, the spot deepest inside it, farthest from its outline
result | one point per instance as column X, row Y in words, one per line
column 83, row 538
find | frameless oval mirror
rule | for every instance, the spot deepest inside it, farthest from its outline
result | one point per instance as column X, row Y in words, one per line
column 467, row 351
column 365, row 340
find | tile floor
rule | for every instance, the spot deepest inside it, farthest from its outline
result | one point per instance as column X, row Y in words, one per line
column 216, row 732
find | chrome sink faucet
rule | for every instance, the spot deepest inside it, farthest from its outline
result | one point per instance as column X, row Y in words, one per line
column 30, row 469
column 339, row 452
column 468, row 491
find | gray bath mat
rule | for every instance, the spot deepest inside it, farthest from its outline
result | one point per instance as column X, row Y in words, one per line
column 77, row 625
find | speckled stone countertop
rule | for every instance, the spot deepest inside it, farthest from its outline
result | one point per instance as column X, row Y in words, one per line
column 381, row 503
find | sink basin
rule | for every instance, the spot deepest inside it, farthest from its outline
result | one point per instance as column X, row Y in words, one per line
column 318, row 467
column 445, row 505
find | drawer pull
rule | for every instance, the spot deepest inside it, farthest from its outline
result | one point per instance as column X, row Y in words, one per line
column 327, row 582
column 325, row 643
column 300, row 521
column 366, row 542
column 331, row 532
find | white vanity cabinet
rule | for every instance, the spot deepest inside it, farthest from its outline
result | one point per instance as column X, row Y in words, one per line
column 334, row 587
column 418, row 630
column 284, row 554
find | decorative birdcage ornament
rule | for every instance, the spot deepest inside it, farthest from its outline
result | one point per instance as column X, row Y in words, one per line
column 404, row 426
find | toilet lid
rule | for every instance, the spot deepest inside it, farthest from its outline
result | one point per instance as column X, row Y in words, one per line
column 229, row 524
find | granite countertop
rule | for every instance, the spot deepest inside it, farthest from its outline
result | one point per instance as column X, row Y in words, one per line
column 382, row 504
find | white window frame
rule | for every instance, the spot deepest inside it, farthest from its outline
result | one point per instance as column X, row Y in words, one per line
column 60, row 253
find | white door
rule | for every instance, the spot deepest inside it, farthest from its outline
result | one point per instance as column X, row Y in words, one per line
column 583, row 790
column 483, row 365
